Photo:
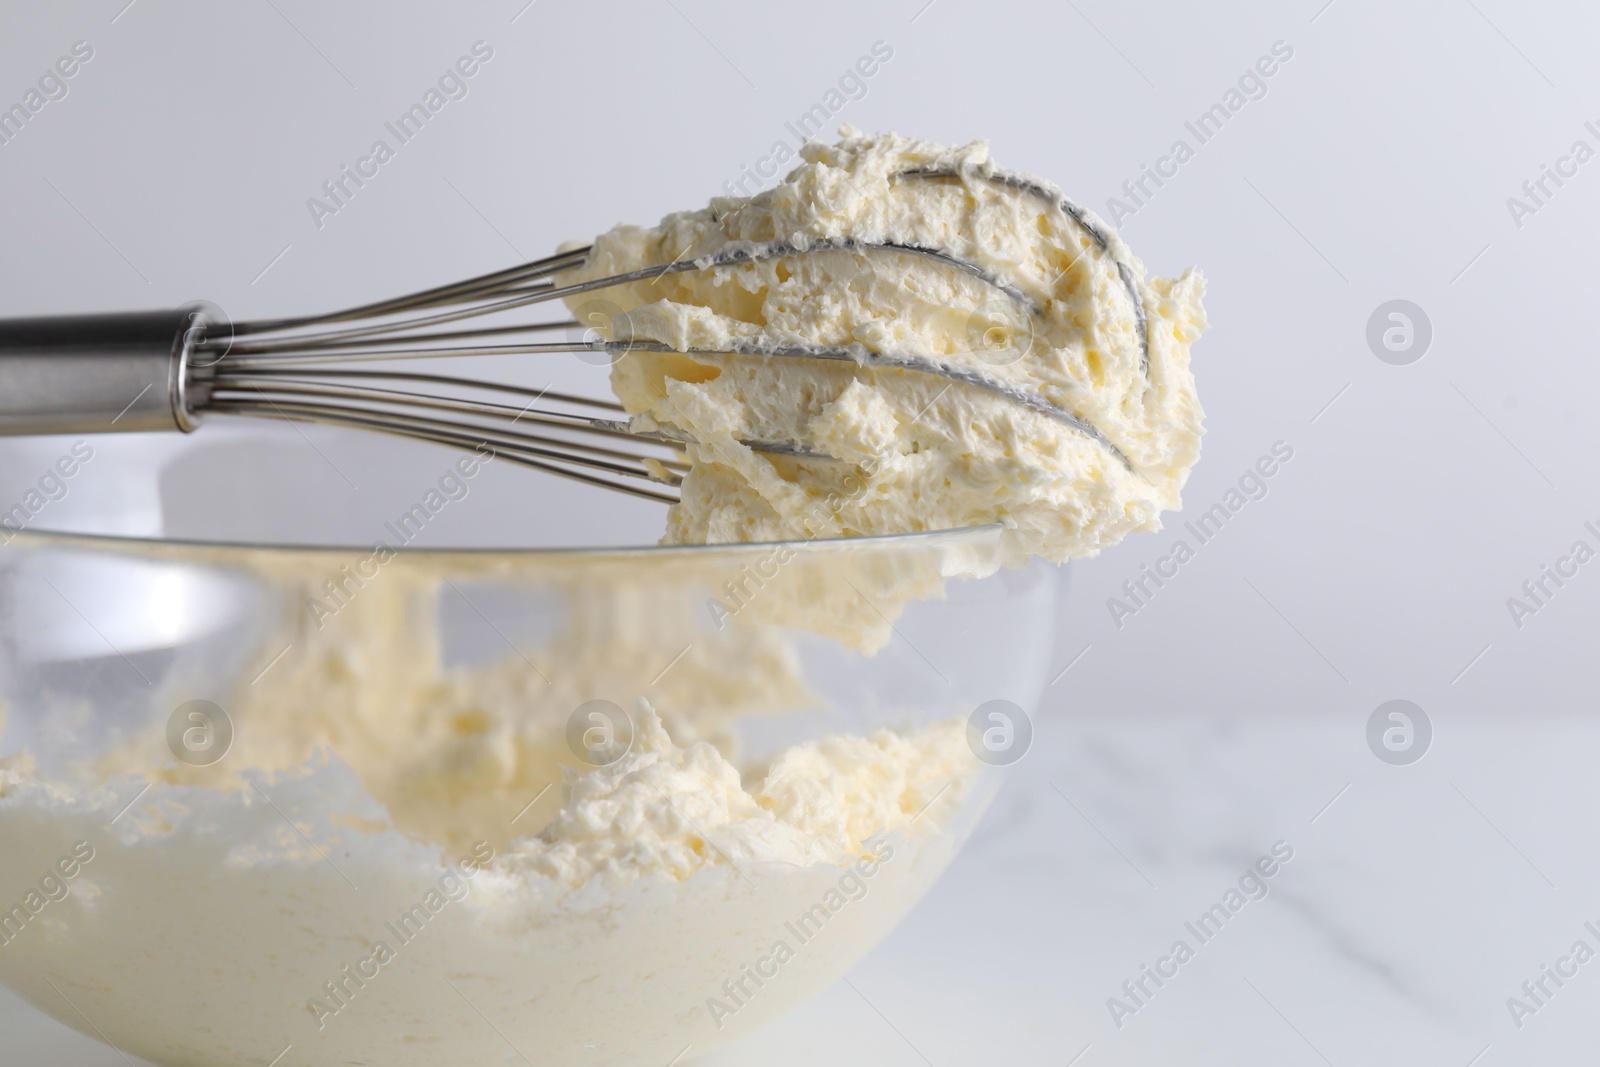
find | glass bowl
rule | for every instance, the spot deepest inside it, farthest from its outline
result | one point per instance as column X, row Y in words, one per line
column 400, row 802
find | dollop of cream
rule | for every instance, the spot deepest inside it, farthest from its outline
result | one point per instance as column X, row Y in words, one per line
column 661, row 810
column 884, row 249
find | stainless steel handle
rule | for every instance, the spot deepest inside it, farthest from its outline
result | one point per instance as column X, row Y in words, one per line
column 123, row 372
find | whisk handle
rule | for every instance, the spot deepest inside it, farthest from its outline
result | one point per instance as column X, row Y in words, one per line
column 123, row 372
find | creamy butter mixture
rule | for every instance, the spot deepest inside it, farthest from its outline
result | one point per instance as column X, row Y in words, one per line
column 222, row 926
column 1074, row 424
column 679, row 896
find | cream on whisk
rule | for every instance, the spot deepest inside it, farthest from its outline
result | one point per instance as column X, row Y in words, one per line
column 942, row 343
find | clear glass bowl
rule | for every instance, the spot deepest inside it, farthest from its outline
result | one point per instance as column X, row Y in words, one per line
column 420, row 806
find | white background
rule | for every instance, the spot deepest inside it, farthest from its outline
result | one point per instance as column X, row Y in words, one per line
column 1231, row 710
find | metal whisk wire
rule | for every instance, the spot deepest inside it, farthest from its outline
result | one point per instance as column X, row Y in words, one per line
column 289, row 369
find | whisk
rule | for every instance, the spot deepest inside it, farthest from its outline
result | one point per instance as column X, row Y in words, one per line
column 167, row 370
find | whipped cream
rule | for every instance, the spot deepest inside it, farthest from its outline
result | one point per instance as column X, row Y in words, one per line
column 619, row 933
column 401, row 859
column 1074, row 420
